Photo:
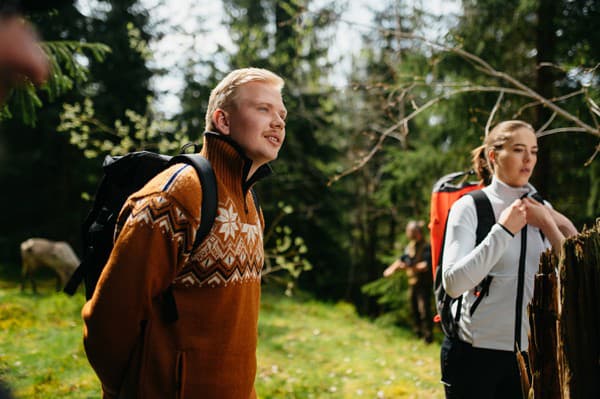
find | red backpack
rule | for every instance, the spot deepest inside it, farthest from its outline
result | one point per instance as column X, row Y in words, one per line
column 445, row 192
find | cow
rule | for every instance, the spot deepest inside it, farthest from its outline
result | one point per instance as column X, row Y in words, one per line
column 56, row 255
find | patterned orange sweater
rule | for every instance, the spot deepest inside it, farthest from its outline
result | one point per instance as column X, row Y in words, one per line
column 210, row 352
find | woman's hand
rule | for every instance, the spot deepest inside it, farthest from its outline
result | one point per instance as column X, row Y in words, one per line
column 540, row 216
column 514, row 218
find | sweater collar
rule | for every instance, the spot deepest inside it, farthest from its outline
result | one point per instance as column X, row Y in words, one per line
column 507, row 192
column 230, row 162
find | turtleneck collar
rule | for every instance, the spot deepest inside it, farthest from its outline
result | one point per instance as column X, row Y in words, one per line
column 230, row 162
column 507, row 192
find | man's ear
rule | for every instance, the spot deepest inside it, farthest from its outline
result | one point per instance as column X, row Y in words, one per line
column 220, row 121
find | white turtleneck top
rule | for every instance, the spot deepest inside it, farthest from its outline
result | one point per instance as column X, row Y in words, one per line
column 493, row 323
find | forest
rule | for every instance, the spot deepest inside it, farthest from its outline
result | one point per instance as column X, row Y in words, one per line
column 368, row 133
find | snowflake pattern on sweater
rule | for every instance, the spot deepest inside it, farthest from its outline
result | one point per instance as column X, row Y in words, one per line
column 229, row 255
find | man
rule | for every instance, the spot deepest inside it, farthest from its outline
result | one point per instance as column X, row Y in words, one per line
column 210, row 351
column 416, row 261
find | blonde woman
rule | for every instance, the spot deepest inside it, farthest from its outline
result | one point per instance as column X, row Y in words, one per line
column 480, row 362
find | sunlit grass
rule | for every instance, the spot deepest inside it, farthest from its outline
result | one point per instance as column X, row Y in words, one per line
column 41, row 352
column 307, row 349
column 310, row 349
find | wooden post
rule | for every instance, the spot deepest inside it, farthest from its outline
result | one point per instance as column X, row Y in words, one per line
column 579, row 321
column 564, row 344
column 543, row 317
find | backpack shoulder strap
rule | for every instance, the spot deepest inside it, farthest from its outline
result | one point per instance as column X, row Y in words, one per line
column 485, row 214
column 485, row 221
column 208, row 182
column 538, row 197
column 208, row 212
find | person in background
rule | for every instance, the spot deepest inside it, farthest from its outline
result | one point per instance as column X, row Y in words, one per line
column 416, row 263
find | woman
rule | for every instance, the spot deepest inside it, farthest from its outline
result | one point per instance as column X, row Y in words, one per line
column 481, row 363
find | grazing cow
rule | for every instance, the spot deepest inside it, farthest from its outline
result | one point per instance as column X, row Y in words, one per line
column 56, row 255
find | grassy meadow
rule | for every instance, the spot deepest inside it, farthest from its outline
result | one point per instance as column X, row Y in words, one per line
column 307, row 349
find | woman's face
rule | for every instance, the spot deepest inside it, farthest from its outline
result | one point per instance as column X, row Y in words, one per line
column 514, row 163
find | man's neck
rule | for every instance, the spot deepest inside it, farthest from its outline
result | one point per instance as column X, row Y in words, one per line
column 253, row 170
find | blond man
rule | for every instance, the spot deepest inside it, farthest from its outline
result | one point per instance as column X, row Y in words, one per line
column 210, row 351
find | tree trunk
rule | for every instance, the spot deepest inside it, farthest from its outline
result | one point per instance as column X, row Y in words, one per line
column 543, row 316
column 546, row 52
column 565, row 321
column 579, row 321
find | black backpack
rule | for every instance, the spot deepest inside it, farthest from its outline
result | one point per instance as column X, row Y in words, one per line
column 443, row 301
column 124, row 176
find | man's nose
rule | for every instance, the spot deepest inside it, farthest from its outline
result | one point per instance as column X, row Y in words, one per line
column 278, row 121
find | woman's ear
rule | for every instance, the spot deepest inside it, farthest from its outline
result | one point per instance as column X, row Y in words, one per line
column 221, row 121
column 491, row 155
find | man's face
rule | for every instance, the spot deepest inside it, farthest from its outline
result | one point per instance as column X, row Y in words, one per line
column 256, row 121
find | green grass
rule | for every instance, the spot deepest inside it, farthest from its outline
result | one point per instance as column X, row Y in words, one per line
column 307, row 349
column 310, row 349
column 41, row 351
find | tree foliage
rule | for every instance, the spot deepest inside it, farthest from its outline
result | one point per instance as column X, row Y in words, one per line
column 358, row 161
column 47, row 175
column 528, row 40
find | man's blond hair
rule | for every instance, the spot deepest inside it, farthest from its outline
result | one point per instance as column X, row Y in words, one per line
column 224, row 94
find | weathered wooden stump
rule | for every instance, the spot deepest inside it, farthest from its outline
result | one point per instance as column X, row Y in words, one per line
column 564, row 314
column 543, row 319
